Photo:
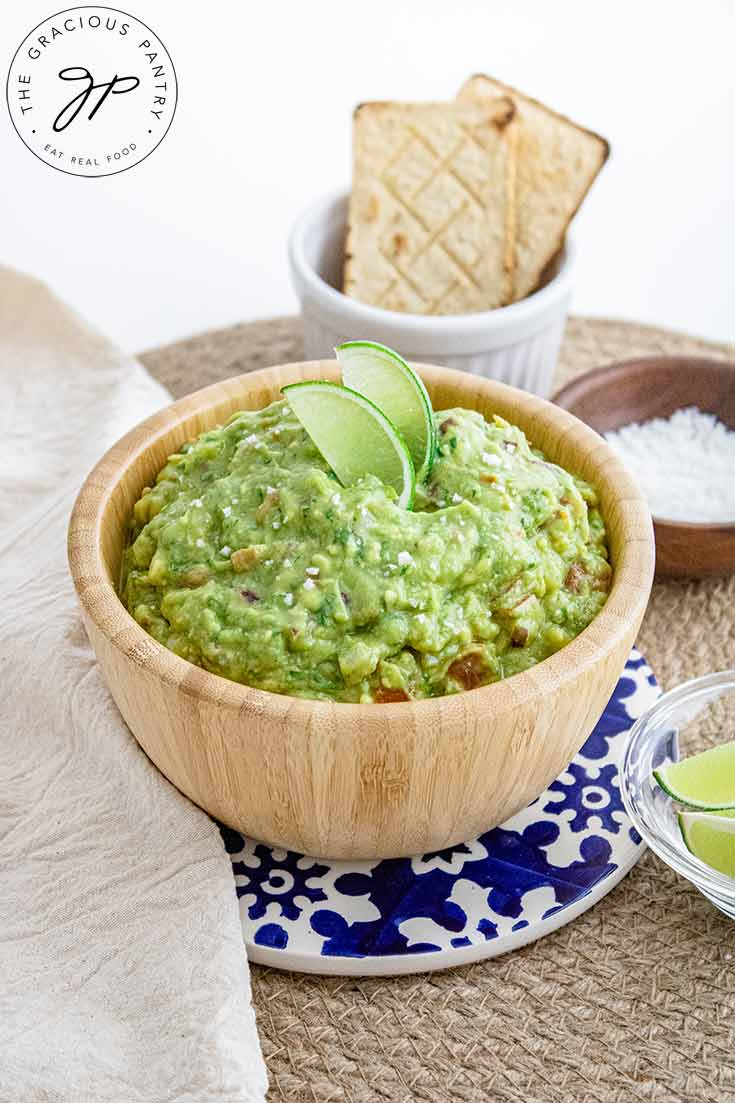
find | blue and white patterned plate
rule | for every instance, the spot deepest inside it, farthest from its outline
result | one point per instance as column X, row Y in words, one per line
column 512, row 885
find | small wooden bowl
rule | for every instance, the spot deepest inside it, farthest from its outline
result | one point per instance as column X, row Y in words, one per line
column 638, row 390
column 348, row 780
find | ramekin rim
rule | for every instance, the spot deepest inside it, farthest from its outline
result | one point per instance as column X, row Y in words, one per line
column 533, row 307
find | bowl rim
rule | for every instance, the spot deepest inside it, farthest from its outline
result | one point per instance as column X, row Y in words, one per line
column 682, row 861
column 633, row 573
column 436, row 326
column 607, row 374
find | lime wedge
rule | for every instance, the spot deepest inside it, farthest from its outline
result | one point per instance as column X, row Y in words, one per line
column 354, row 436
column 705, row 781
column 710, row 838
column 387, row 380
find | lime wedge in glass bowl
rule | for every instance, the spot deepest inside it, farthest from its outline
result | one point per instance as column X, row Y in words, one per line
column 353, row 436
column 384, row 377
column 710, row 836
column 703, row 781
column 662, row 757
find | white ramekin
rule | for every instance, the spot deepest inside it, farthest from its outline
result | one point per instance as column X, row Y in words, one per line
column 517, row 344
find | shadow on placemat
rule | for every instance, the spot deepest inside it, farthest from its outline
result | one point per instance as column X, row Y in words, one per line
column 635, row 1000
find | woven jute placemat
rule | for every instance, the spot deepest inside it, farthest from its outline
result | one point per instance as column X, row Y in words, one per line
column 635, row 1000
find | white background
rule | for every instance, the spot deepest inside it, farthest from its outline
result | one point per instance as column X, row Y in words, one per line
column 195, row 236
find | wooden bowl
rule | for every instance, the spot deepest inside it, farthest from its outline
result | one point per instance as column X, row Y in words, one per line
column 349, row 780
column 638, row 390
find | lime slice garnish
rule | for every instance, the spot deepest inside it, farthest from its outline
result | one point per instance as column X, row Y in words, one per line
column 705, row 781
column 711, row 838
column 387, row 380
column 354, row 436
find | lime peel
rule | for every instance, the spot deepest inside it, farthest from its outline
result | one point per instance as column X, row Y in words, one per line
column 704, row 781
column 384, row 377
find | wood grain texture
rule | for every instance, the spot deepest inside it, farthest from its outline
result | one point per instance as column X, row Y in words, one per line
column 638, row 390
column 345, row 780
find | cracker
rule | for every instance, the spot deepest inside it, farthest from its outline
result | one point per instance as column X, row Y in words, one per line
column 432, row 212
column 557, row 161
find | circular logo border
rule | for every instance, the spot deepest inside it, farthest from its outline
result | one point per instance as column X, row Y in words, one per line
column 55, row 15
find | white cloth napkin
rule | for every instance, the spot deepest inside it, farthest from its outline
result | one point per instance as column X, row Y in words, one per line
column 122, row 969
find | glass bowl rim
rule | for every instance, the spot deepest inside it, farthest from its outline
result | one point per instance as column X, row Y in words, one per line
column 709, row 880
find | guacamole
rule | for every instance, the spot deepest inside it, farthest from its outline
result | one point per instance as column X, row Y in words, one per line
column 250, row 559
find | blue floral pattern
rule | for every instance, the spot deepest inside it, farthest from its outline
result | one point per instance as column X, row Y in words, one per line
column 588, row 793
column 277, row 881
column 559, row 850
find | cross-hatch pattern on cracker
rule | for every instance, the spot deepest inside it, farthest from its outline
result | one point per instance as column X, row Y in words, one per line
column 420, row 237
column 392, row 254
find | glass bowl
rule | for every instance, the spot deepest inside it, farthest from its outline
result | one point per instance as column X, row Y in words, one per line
column 684, row 721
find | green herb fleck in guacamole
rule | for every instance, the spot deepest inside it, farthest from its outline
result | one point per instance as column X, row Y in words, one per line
column 249, row 559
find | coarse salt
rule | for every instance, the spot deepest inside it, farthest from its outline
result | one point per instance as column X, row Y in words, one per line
column 309, row 584
column 288, row 599
column 226, row 550
column 684, row 465
column 488, row 457
column 404, row 559
column 226, row 511
column 313, row 571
